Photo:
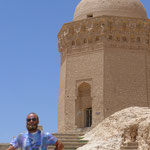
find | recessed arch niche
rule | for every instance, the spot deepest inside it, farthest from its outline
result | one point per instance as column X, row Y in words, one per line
column 83, row 106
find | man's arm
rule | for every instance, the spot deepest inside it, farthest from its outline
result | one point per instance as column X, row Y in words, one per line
column 59, row 145
column 11, row 148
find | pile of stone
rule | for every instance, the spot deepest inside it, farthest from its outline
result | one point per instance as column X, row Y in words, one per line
column 128, row 125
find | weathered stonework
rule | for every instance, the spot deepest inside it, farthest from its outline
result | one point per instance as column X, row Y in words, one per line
column 118, row 32
column 105, row 65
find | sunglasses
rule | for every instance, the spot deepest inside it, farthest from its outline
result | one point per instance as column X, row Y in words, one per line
column 33, row 119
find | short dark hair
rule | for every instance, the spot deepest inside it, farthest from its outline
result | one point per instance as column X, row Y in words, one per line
column 34, row 114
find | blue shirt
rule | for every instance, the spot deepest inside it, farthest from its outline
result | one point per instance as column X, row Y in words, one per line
column 33, row 141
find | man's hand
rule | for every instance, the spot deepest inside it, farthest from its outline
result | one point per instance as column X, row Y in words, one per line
column 11, row 148
column 59, row 145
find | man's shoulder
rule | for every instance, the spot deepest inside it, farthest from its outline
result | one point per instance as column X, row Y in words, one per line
column 19, row 137
column 49, row 138
column 23, row 134
column 46, row 134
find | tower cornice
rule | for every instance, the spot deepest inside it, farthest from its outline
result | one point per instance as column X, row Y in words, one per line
column 130, row 33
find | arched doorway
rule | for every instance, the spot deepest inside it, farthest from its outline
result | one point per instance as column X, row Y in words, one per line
column 83, row 106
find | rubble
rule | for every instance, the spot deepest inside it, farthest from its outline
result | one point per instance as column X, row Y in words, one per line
column 128, row 125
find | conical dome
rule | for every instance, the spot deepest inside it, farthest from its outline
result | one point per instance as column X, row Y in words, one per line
column 123, row 8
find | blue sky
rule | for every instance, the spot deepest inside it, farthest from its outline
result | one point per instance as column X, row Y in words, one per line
column 30, row 61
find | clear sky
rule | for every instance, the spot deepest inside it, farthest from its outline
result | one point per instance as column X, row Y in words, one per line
column 30, row 61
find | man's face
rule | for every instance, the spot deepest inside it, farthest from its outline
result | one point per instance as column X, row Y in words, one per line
column 32, row 123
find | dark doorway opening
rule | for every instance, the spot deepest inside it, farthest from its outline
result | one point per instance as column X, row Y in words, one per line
column 88, row 115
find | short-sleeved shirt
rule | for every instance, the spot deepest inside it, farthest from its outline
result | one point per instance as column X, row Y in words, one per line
column 33, row 141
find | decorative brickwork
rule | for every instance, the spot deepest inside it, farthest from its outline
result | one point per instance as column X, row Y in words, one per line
column 115, row 31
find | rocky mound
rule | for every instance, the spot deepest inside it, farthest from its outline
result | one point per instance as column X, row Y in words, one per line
column 128, row 125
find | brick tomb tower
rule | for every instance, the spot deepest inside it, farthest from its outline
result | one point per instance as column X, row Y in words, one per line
column 105, row 62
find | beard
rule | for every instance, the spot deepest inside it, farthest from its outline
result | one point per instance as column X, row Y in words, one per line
column 32, row 128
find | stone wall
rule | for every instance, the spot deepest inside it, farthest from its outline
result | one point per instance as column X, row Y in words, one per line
column 125, row 79
column 4, row 146
column 62, row 94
